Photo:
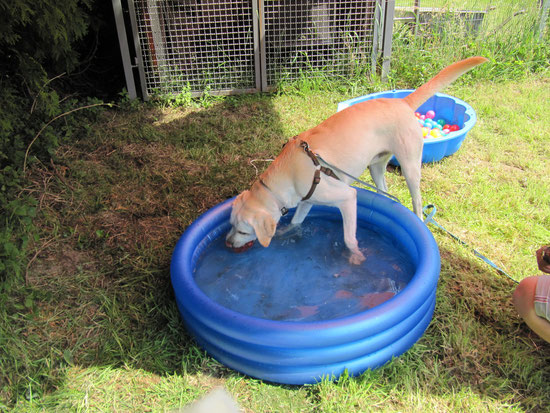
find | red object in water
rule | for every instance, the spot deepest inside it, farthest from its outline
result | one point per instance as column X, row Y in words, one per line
column 343, row 294
column 307, row 310
column 241, row 249
column 373, row 299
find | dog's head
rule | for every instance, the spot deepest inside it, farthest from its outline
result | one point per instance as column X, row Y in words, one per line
column 249, row 221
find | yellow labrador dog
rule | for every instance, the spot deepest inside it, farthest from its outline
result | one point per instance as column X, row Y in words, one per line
column 365, row 134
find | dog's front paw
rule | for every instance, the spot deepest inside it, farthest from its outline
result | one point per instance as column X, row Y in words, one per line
column 356, row 258
column 289, row 231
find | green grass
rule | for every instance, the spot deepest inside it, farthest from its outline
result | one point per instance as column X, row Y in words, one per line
column 507, row 36
column 94, row 325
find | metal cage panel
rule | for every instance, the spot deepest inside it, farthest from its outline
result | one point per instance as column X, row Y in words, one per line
column 332, row 37
column 197, row 45
column 231, row 46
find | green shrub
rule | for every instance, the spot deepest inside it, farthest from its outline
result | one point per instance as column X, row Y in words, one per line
column 37, row 44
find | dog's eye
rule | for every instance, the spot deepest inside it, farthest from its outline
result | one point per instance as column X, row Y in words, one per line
column 243, row 233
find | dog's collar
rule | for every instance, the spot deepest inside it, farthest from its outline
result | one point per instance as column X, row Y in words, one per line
column 282, row 207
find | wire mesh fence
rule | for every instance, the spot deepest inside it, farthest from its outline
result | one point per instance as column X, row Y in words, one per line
column 228, row 46
column 197, row 45
column 327, row 37
column 231, row 46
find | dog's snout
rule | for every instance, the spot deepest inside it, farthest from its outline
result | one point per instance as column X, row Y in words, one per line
column 242, row 248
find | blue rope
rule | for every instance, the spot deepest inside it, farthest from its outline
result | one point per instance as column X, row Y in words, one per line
column 430, row 220
column 429, row 217
column 372, row 187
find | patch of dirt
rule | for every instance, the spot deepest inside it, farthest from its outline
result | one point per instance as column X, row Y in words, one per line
column 165, row 160
column 131, row 232
column 59, row 260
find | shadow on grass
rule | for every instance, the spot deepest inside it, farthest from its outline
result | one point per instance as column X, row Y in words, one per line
column 478, row 341
column 97, row 290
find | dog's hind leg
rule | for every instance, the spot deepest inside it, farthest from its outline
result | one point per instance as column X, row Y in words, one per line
column 377, row 171
column 409, row 155
column 412, row 173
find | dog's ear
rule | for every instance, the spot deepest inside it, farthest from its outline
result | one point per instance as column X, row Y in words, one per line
column 240, row 199
column 265, row 227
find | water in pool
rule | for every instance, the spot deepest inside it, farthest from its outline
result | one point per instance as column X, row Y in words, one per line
column 304, row 275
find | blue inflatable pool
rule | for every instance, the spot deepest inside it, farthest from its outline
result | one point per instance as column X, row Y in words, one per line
column 452, row 109
column 297, row 312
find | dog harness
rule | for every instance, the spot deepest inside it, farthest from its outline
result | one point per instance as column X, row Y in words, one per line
column 316, row 177
column 318, row 170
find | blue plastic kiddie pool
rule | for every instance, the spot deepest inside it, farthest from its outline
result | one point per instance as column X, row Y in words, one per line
column 454, row 110
column 297, row 311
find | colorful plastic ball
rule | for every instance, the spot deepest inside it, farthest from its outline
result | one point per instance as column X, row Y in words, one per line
column 417, row 114
column 430, row 114
column 438, row 126
column 446, row 126
column 446, row 131
column 425, row 132
column 422, row 117
column 441, row 122
column 454, row 128
column 435, row 133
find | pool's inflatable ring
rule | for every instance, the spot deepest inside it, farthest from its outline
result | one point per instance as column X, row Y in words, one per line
column 305, row 352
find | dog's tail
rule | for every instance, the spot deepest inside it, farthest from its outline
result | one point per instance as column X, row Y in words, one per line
column 442, row 80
